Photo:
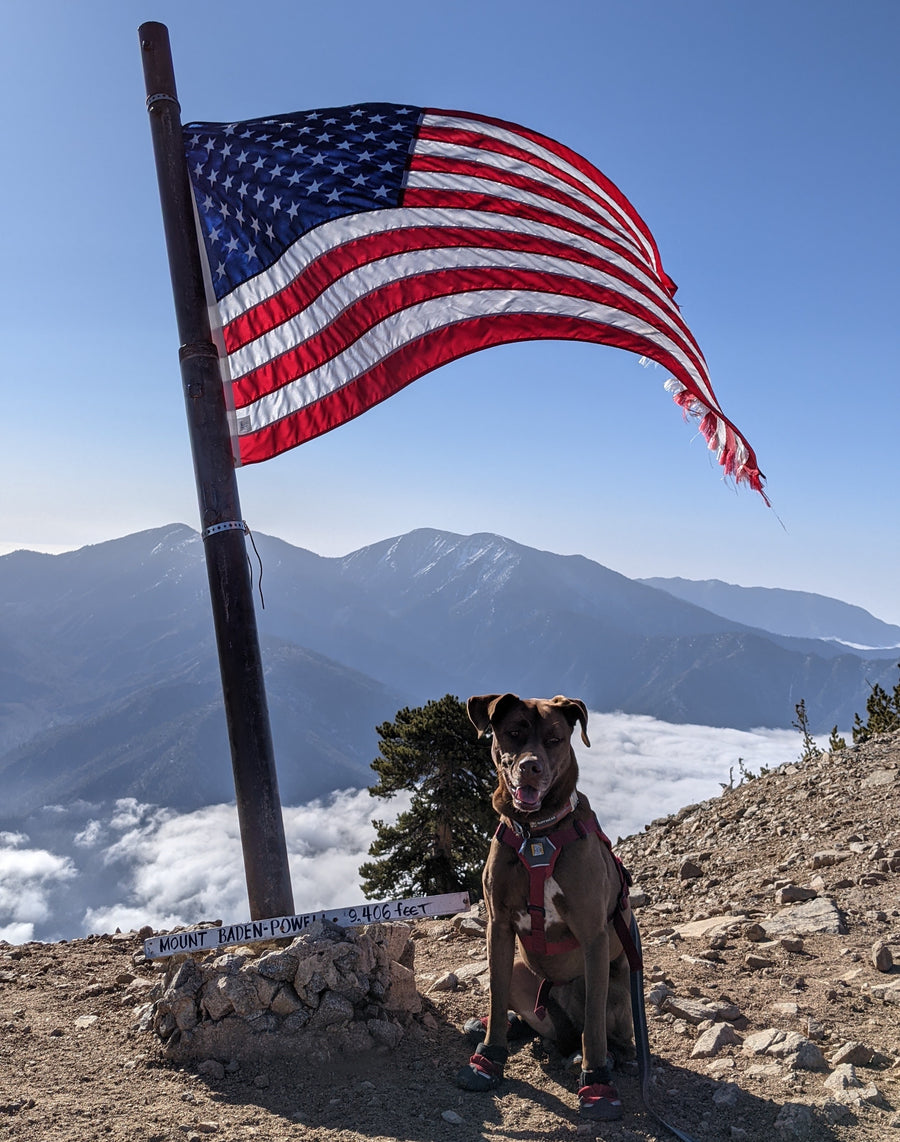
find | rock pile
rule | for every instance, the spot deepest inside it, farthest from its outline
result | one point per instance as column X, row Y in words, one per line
column 332, row 992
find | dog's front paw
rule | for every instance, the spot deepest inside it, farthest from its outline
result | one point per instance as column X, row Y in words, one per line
column 482, row 1073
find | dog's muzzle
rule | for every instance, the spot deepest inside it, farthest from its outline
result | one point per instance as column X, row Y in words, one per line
column 526, row 782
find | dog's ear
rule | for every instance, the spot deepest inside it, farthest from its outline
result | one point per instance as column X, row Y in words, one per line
column 484, row 708
column 574, row 711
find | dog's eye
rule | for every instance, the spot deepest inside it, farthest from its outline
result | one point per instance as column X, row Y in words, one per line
column 553, row 741
column 514, row 734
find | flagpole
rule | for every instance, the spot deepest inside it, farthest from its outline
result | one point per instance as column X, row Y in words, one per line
column 231, row 594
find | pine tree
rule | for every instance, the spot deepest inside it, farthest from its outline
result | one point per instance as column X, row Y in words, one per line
column 440, row 843
column 810, row 750
column 883, row 712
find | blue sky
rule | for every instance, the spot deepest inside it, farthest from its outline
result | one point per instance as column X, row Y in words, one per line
column 759, row 142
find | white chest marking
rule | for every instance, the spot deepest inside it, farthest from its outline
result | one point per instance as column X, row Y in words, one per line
column 522, row 920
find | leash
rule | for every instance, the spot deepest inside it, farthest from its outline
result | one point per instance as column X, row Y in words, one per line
column 641, row 1039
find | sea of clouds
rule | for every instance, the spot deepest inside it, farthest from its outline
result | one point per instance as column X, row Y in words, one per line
column 73, row 870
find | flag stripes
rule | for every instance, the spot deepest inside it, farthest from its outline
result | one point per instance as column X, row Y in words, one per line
column 493, row 234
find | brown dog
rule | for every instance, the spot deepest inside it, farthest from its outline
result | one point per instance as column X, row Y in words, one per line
column 553, row 891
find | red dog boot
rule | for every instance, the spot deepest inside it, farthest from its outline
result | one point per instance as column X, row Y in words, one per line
column 597, row 1098
column 484, row 1071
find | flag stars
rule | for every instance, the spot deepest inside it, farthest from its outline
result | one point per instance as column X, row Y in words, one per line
column 323, row 164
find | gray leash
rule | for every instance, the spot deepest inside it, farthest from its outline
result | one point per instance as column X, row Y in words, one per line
column 641, row 1040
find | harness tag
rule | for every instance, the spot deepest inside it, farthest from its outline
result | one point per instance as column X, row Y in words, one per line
column 537, row 852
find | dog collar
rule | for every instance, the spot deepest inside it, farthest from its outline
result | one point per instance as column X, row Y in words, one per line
column 547, row 822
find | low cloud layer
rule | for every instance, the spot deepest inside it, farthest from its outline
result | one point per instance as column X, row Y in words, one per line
column 92, row 868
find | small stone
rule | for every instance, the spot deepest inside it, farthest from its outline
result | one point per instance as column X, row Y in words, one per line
column 842, row 1078
column 882, row 957
column 470, row 916
column 727, row 1096
column 837, row 1113
column 795, row 1120
column 798, row 1052
column 711, row 1042
column 212, row 1068
column 689, row 870
column 82, row 1022
column 814, row 916
column 815, row 1029
column 452, row 1117
column 261, row 1081
column 871, row 1094
column 856, row 1054
column 449, row 981
column 791, row 944
column 794, row 894
column 756, row 962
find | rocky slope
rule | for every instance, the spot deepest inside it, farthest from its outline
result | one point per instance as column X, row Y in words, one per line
column 770, row 917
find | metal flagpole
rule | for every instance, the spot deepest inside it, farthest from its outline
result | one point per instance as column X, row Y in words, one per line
column 230, row 587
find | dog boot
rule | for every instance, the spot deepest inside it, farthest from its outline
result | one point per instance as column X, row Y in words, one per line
column 596, row 1097
column 484, row 1071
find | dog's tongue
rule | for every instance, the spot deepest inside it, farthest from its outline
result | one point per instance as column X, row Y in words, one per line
column 527, row 796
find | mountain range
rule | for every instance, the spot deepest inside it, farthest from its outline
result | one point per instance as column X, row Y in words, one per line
column 109, row 681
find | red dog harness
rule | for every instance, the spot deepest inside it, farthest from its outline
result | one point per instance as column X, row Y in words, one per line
column 539, row 855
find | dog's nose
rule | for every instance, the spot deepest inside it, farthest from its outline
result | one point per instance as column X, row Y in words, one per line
column 529, row 767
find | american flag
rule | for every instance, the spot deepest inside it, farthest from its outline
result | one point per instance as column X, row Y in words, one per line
column 353, row 249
